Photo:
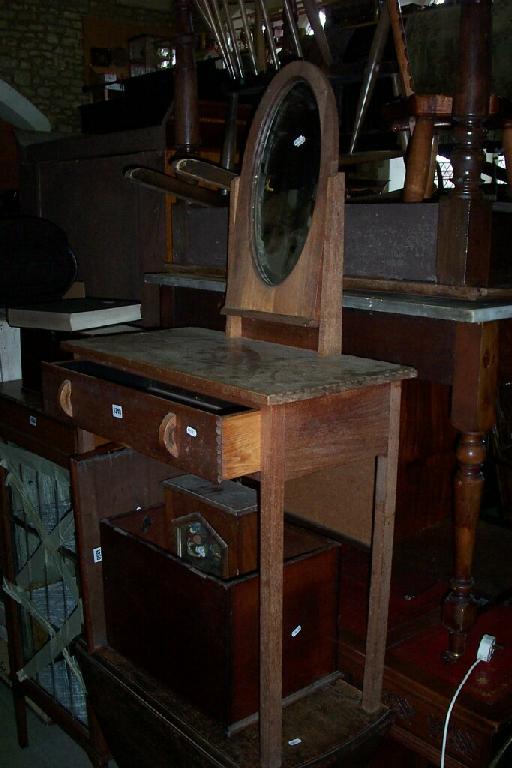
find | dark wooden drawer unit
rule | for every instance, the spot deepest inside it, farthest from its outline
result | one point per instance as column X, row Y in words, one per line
column 200, row 634
column 23, row 422
column 213, row 438
column 214, row 527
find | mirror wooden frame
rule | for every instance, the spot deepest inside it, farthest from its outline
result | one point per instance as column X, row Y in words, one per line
column 311, row 295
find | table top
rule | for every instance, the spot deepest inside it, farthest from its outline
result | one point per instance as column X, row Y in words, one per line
column 242, row 370
column 436, row 308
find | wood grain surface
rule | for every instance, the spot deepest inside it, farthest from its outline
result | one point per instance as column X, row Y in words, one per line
column 149, row 726
column 244, row 371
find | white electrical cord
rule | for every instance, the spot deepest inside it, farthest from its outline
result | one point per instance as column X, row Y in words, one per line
column 484, row 653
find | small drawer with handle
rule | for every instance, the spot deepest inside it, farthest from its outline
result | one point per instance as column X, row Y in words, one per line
column 212, row 438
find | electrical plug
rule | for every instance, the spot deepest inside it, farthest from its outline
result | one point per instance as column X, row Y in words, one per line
column 486, row 648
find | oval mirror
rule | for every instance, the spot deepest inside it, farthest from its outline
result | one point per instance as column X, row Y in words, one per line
column 287, row 170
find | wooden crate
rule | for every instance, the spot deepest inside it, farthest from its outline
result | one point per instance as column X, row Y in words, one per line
column 198, row 633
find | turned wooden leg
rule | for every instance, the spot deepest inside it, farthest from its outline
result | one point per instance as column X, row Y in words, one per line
column 459, row 610
column 418, row 161
column 473, row 415
column 271, row 585
column 186, row 109
column 465, row 216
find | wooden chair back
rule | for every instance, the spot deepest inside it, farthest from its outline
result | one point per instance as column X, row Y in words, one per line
column 400, row 41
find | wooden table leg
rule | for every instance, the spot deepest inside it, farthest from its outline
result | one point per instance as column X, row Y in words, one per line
column 459, row 612
column 271, row 585
column 382, row 555
column 465, row 216
column 186, row 109
column 418, row 161
column 473, row 414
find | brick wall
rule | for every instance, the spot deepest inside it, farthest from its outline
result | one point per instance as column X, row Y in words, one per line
column 41, row 50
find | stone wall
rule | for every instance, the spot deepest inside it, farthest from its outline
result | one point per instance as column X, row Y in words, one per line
column 41, row 51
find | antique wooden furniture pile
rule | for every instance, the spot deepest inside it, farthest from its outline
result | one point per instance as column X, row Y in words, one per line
column 425, row 285
column 224, row 406
column 272, row 402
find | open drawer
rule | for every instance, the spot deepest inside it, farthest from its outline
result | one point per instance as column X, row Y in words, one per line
column 212, row 438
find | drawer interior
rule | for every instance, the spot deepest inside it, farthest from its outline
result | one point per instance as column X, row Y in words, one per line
column 153, row 387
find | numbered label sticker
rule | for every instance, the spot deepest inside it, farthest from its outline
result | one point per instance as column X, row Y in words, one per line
column 96, row 555
column 32, row 420
column 117, row 411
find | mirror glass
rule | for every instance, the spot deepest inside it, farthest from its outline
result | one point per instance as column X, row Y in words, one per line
column 286, row 182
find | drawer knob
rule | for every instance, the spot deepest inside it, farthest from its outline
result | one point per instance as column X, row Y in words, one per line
column 64, row 398
column 167, row 434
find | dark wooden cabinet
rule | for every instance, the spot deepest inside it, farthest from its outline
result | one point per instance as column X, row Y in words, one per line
column 39, row 565
column 58, row 475
column 199, row 633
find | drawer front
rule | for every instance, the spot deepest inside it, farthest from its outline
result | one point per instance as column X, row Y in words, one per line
column 37, row 432
column 207, row 444
column 201, row 633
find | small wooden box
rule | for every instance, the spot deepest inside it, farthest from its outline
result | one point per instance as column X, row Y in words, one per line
column 226, row 516
column 200, row 634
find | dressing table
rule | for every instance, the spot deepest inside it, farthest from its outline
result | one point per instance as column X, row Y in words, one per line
column 224, row 406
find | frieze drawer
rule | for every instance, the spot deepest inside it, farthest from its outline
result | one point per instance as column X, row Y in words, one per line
column 215, row 439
